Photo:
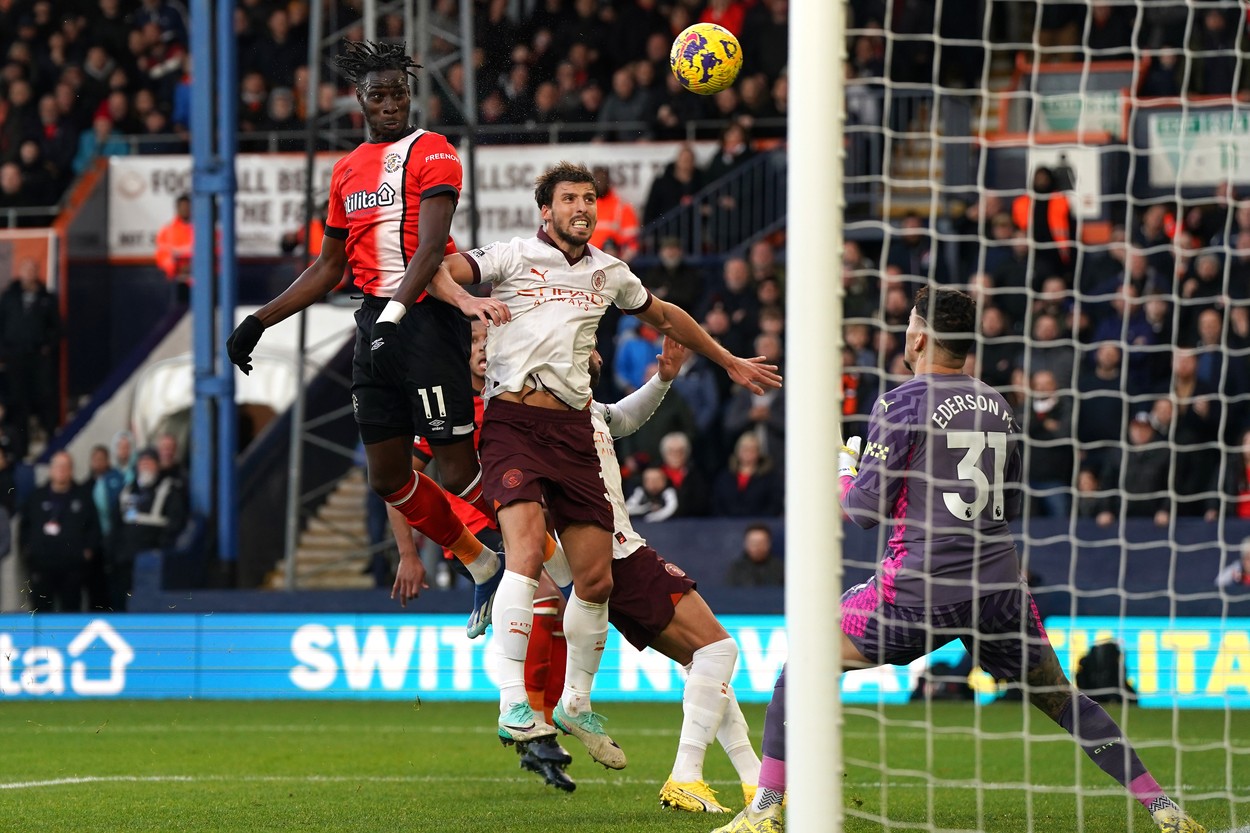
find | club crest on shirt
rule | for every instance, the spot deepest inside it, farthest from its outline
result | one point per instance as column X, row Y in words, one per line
column 674, row 570
column 598, row 279
column 511, row 478
column 391, row 162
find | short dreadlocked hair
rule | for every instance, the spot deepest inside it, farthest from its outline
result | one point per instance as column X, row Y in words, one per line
column 364, row 57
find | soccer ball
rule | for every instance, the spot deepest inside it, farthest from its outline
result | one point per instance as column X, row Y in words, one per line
column 705, row 58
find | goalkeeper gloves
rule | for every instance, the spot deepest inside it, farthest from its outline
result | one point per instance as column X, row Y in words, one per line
column 848, row 457
column 243, row 341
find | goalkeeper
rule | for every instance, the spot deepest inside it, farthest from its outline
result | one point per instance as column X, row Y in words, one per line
column 942, row 463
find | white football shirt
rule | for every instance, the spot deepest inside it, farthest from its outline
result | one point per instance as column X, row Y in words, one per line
column 619, row 420
column 556, row 306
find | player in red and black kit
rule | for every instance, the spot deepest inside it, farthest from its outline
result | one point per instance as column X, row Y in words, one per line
column 389, row 216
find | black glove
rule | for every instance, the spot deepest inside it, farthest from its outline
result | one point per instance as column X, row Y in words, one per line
column 388, row 361
column 243, row 341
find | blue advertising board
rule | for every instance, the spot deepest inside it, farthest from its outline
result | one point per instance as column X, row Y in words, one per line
column 1192, row 663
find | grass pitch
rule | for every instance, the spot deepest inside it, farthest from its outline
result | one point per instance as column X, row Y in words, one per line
column 379, row 766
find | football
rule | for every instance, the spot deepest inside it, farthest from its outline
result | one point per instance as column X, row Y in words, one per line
column 705, row 58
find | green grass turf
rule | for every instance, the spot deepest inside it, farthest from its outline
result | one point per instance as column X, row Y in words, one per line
column 381, row 766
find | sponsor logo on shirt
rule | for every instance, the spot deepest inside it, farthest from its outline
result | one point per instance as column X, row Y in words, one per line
column 450, row 157
column 361, row 200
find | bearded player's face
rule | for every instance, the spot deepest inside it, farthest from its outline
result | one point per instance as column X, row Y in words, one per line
column 573, row 212
column 385, row 101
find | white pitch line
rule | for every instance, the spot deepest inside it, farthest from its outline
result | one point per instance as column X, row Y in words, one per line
column 308, row 779
column 34, row 727
column 458, row 779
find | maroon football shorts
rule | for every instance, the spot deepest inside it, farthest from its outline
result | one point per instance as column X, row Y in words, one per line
column 541, row 454
column 645, row 592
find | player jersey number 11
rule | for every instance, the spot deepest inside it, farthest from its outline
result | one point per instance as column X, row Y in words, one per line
column 970, row 470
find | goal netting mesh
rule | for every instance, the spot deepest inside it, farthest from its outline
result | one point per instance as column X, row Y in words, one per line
column 1083, row 170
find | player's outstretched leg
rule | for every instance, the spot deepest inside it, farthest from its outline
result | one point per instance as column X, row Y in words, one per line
column 763, row 814
column 518, row 723
column 1103, row 741
column 585, row 631
column 704, row 700
column 425, row 507
column 734, row 737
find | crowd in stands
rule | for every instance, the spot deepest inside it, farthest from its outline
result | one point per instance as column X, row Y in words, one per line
column 82, row 79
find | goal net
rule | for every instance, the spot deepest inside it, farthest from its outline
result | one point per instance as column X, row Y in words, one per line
column 1083, row 172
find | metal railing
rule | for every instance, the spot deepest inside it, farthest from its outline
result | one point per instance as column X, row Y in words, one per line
column 742, row 205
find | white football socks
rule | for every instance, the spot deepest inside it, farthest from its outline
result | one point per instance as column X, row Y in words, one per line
column 585, row 633
column 513, row 618
column 704, row 700
column 734, row 737
column 484, row 566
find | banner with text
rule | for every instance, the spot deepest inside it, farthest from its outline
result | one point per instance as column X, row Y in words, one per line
column 1200, row 663
column 1198, row 148
column 270, row 199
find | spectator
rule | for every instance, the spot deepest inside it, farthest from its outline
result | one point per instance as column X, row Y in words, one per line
column 748, row 487
column 635, row 355
column 642, row 448
column 59, row 535
column 696, row 384
column 1126, row 325
column 618, row 222
column 999, row 349
column 1092, row 500
column 174, row 243
column 762, row 258
column 1049, row 456
column 1103, row 400
column 915, row 251
column 101, row 140
column 30, row 330
column 764, row 39
column 1048, row 351
column 1216, row 41
column 859, row 285
column 1141, row 473
column 1236, row 574
column 758, row 566
column 1195, row 434
column 763, row 415
column 281, row 118
column 736, row 296
column 1153, row 237
column 1110, row 32
column 1201, row 291
column 276, row 54
column 105, row 485
column 655, row 498
column 625, row 104
column 683, row 476
column 673, row 189
column 672, row 279
column 1237, row 478
column 123, row 455
column 728, row 223
column 13, row 191
column 153, row 513
column 1046, row 217
column 168, row 458
column 677, row 109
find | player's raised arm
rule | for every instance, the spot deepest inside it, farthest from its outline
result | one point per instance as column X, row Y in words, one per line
column 313, row 284
column 674, row 322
